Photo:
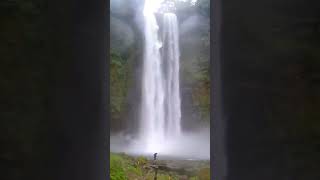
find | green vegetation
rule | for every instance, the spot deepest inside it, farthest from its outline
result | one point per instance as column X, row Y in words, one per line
column 201, row 90
column 119, row 80
column 204, row 174
column 201, row 98
column 116, row 169
column 124, row 167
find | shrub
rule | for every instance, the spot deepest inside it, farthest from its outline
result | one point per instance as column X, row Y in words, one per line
column 116, row 169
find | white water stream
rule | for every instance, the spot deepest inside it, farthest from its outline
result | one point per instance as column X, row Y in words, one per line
column 160, row 107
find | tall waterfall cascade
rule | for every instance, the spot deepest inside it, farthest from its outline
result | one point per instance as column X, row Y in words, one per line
column 160, row 111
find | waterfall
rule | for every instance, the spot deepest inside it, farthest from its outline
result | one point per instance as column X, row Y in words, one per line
column 170, row 58
column 160, row 107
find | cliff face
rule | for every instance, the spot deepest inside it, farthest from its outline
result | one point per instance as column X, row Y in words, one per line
column 127, row 41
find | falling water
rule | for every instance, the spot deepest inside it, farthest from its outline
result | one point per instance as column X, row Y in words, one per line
column 170, row 58
column 160, row 107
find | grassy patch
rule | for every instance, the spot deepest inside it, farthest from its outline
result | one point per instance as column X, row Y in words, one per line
column 116, row 168
column 124, row 167
column 204, row 174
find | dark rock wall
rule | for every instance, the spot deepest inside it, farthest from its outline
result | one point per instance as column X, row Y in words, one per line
column 269, row 52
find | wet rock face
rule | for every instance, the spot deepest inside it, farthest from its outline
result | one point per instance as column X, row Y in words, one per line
column 189, row 112
column 122, row 35
column 192, row 27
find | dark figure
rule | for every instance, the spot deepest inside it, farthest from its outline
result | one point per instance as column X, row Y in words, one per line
column 155, row 167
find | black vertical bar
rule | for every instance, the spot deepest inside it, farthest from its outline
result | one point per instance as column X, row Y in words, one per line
column 217, row 140
column 80, row 92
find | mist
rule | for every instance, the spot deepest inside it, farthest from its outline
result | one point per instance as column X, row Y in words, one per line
column 190, row 145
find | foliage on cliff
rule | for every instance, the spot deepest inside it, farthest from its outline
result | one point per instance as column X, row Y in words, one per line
column 119, row 82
